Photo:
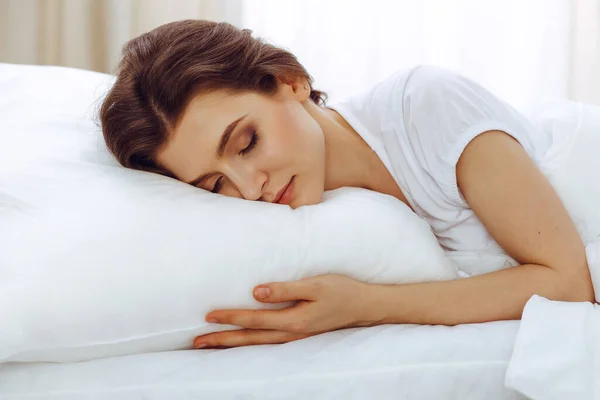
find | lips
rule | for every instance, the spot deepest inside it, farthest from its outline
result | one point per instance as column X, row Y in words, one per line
column 285, row 195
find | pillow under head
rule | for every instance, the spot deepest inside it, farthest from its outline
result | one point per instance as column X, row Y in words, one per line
column 100, row 261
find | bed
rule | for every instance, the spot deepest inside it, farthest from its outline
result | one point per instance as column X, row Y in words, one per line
column 382, row 362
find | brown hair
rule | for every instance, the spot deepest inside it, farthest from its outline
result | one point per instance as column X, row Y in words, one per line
column 163, row 69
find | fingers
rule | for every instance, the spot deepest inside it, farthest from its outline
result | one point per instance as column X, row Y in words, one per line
column 246, row 337
column 283, row 320
column 291, row 319
column 276, row 292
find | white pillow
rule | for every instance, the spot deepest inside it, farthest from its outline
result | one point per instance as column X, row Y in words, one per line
column 100, row 261
column 572, row 164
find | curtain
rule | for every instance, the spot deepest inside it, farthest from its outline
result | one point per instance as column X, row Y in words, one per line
column 518, row 49
column 584, row 78
column 89, row 34
column 523, row 51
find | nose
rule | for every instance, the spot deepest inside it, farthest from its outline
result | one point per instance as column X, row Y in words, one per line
column 250, row 182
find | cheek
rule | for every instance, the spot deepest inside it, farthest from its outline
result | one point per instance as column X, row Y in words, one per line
column 282, row 146
column 295, row 142
column 294, row 148
column 275, row 152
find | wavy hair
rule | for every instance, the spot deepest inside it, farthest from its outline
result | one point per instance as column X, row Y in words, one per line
column 162, row 70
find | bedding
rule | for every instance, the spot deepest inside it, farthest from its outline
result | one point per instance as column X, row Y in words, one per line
column 406, row 362
column 86, row 274
column 573, row 167
column 557, row 351
column 98, row 260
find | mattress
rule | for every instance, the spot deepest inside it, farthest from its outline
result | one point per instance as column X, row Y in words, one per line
column 382, row 362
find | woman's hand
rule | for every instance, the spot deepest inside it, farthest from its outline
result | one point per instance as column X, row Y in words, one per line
column 324, row 303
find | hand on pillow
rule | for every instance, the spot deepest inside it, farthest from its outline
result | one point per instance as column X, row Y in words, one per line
column 323, row 303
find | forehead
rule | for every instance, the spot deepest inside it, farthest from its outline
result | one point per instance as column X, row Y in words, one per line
column 213, row 110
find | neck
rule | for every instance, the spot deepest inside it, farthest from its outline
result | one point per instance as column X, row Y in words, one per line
column 347, row 156
column 349, row 161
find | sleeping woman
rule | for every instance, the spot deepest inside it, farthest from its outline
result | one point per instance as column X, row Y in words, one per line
column 211, row 105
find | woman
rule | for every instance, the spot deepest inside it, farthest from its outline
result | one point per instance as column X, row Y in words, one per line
column 208, row 104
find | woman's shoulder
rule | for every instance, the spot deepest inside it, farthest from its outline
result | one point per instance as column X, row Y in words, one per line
column 422, row 78
column 417, row 89
column 381, row 103
column 429, row 86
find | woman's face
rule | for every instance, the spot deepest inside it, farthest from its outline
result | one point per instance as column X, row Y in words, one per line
column 250, row 146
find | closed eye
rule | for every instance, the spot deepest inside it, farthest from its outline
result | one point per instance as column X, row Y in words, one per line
column 218, row 185
column 251, row 145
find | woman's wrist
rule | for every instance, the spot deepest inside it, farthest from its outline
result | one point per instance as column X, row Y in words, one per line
column 377, row 302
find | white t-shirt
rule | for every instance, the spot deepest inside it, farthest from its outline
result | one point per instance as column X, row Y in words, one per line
column 419, row 121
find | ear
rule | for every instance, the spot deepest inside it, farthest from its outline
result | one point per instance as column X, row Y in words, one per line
column 299, row 88
column 302, row 88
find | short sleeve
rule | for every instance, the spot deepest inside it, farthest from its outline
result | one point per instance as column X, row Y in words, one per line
column 443, row 112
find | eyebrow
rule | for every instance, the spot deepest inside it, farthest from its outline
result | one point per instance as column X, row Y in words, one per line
column 222, row 144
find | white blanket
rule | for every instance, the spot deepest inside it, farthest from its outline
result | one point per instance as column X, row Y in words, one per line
column 385, row 362
column 557, row 351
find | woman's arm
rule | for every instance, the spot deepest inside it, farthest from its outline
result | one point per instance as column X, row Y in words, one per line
column 498, row 295
column 521, row 210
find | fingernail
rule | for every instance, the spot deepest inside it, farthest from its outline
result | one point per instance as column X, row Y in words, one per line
column 262, row 293
column 213, row 320
column 200, row 345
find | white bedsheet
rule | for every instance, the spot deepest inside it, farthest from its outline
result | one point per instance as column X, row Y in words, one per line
column 382, row 362
column 557, row 352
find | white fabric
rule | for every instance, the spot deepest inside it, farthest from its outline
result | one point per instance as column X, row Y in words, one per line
column 408, row 362
column 419, row 121
column 524, row 61
column 557, row 355
column 68, row 296
column 557, row 352
column 99, row 261
column 572, row 165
